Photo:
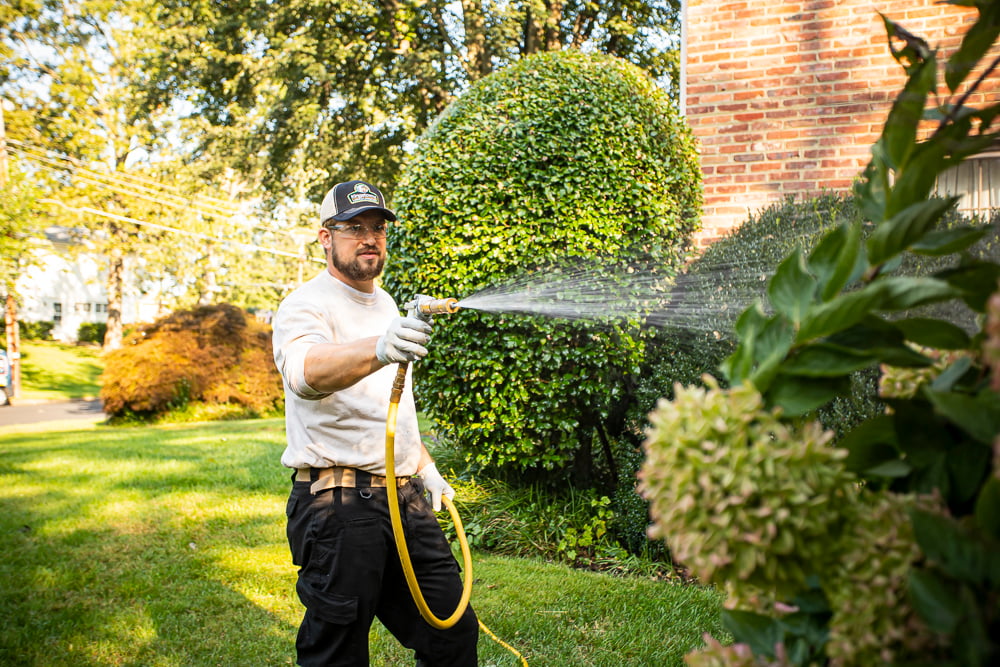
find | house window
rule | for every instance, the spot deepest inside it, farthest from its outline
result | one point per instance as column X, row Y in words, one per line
column 83, row 307
column 56, row 313
column 100, row 307
column 977, row 180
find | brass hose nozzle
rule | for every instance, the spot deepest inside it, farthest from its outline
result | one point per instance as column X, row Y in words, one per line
column 436, row 306
column 425, row 306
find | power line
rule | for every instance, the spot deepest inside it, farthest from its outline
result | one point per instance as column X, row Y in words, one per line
column 125, row 179
column 207, row 237
column 122, row 185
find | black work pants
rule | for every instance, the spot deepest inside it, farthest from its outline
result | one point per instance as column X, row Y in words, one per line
column 349, row 574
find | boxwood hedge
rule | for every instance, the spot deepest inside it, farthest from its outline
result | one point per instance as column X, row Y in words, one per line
column 563, row 160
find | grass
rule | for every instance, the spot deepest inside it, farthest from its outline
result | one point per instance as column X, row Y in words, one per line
column 164, row 546
column 57, row 371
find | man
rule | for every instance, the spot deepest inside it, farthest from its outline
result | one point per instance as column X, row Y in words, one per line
column 337, row 340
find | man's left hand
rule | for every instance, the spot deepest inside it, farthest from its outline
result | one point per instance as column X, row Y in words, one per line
column 435, row 485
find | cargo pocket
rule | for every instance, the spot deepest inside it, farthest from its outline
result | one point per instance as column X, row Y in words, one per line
column 330, row 607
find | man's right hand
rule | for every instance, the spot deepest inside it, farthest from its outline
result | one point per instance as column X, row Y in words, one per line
column 403, row 341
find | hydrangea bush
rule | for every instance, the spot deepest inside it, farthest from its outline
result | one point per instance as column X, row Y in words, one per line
column 895, row 555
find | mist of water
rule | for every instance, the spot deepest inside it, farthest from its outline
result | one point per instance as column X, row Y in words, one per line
column 709, row 300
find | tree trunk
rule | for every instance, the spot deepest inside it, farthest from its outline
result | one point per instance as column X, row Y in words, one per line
column 116, row 271
column 530, row 35
column 475, row 39
column 553, row 36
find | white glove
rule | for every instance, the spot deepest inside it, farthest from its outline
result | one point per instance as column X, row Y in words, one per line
column 435, row 485
column 404, row 341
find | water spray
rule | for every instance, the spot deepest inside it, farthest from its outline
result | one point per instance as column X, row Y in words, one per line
column 425, row 307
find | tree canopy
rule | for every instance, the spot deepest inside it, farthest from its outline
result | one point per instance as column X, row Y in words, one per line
column 311, row 92
column 177, row 136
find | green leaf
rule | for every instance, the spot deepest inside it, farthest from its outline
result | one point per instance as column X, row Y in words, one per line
column 935, row 600
column 920, row 433
column 916, row 182
column 976, row 280
column 773, row 344
column 906, row 228
column 824, row 360
column 870, row 444
column 738, row 366
column 791, row 288
column 978, row 415
column 938, row 334
column 902, row 356
column 833, row 259
column 872, row 332
column 751, row 320
column 905, row 292
column 952, row 375
column 955, row 548
column 800, row 395
column 918, row 60
column 840, row 313
column 890, row 469
column 975, row 43
column 987, row 510
column 759, row 632
column 871, row 190
column 948, row 241
column 968, row 464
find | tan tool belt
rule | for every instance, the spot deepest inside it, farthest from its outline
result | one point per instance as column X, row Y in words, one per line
column 350, row 478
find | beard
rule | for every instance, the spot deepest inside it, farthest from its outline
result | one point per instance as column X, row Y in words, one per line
column 355, row 270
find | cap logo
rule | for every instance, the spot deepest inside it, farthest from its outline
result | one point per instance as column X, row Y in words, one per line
column 362, row 193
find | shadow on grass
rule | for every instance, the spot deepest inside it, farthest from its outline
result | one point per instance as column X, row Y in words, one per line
column 141, row 547
column 69, row 385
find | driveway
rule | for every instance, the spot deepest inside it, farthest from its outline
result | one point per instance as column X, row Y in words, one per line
column 34, row 412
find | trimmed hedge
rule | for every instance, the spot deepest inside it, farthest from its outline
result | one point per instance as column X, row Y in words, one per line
column 560, row 161
column 91, row 332
column 213, row 354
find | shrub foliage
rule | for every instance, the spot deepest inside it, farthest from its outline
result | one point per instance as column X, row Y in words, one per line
column 550, row 163
column 215, row 354
column 895, row 557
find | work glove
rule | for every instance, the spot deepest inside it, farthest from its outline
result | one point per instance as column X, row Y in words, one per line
column 403, row 341
column 435, row 485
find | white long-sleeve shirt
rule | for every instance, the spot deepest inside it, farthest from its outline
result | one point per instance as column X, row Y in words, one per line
column 346, row 427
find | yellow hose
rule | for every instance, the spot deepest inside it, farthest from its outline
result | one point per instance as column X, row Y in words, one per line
column 397, row 522
column 400, row 536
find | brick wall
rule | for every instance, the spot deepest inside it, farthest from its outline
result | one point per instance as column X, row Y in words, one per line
column 786, row 97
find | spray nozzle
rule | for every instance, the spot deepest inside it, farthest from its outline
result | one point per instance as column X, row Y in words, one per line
column 425, row 307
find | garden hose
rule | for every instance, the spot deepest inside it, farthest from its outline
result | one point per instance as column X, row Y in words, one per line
column 425, row 307
column 397, row 522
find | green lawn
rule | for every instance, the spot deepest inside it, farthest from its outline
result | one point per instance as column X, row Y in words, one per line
column 56, row 371
column 164, row 546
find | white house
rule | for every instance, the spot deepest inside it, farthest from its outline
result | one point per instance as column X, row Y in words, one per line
column 67, row 288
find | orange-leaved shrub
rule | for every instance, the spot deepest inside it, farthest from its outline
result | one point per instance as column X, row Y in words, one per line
column 212, row 354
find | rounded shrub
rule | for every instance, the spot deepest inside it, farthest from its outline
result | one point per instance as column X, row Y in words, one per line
column 564, row 160
column 212, row 354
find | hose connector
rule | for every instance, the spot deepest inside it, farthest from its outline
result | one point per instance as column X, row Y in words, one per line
column 425, row 307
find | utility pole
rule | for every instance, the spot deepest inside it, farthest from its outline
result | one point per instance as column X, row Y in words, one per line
column 10, row 310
